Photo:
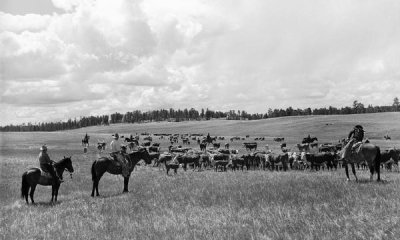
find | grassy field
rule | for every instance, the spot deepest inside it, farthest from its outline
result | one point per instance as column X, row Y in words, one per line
column 204, row 205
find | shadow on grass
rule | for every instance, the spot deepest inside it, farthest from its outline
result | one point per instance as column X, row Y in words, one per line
column 367, row 181
column 112, row 195
column 46, row 204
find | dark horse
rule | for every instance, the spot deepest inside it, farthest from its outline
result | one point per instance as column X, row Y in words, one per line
column 85, row 140
column 107, row 164
column 33, row 177
column 368, row 153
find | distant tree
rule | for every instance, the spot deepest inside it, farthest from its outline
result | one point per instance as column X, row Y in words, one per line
column 396, row 104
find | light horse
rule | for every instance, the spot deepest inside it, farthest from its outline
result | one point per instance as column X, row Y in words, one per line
column 33, row 176
column 107, row 164
column 367, row 152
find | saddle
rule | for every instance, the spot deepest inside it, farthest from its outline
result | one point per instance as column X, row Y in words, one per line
column 45, row 174
column 356, row 147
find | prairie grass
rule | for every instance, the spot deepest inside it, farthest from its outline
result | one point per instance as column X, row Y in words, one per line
column 193, row 205
column 209, row 205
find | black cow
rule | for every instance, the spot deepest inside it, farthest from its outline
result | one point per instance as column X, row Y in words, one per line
column 319, row 160
column 220, row 161
column 250, row 146
column 203, row 146
column 216, row 145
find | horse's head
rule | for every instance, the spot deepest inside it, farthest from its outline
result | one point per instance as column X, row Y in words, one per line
column 67, row 164
column 144, row 154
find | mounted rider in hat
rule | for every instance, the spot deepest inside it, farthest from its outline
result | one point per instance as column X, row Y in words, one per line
column 47, row 165
column 118, row 152
column 355, row 137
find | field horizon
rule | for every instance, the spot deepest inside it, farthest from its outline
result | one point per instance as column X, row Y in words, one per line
column 252, row 204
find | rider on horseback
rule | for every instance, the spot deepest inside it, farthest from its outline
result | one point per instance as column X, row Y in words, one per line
column 356, row 135
column 119, row 154
column 47, row 165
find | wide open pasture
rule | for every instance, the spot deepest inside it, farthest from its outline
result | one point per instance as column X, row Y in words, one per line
column 252, row 204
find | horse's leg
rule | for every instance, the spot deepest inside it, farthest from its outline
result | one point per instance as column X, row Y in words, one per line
column 56, row 192
column 126, row 182
column 377, row 168
column 353, row 169
column 371, row 170
column 94, row 187
column 346, row 168
column 53, row 192
column 97, row 184
column 33, row 187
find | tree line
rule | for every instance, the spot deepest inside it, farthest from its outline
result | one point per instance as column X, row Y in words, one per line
column 192, row 114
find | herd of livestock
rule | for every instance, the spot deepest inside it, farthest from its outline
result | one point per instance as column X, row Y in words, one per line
column 208, row 153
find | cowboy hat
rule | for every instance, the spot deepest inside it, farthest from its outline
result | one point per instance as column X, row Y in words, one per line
column 116, row 136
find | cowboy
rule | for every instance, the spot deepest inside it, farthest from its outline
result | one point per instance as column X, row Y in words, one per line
column 118, row 153
column 47, row 165
column 355, row 137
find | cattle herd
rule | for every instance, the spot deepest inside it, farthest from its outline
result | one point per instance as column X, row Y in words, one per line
column 199, row 152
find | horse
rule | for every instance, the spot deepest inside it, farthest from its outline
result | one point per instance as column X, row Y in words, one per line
column 367, row 152
column 34, row 176
column 209, row 140
column 85, row 140
column 107, row 164
column 101, row 146
column 387, row 137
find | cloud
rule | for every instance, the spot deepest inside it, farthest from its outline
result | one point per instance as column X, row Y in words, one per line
column 250, row 55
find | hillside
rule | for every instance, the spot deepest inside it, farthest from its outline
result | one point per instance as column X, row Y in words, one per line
column 325, row 127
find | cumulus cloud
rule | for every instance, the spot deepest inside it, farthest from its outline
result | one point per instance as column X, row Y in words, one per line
column 98, row 57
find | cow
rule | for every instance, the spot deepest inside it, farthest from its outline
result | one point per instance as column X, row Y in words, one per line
column 237, row 163
column 305, row 147
column 216, row 145
column 250, row 146
column 390, row 158
column 309, row 139
column 276, row 162
column 203, row 146
column 154, row 149
column 148, row 138
column 313, row 145
column 220, row 161
column 323, row 160
column 327, row 148
column 189, row 159
column 279, row 139
column 146, row 144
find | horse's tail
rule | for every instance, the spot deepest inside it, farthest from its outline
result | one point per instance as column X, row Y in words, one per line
column 24, row 185
column 378, row 159
column 93, row 171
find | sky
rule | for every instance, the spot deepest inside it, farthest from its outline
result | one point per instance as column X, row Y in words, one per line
column 64, row 59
